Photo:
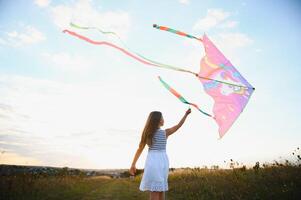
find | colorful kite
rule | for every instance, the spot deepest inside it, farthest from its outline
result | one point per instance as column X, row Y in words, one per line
column 229, row 90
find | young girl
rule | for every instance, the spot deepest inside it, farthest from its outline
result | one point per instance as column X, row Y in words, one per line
column 156, row 168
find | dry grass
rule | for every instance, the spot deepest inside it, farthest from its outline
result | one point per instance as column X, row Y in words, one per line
column 270, row 182
column 277, row 181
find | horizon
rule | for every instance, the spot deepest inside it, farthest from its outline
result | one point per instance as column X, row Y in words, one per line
column 64, row 102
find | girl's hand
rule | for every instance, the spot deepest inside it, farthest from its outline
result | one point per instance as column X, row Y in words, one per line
column 188, row 111
column 132, row 170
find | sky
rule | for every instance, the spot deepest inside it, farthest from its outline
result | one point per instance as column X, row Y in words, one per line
column 64, row 102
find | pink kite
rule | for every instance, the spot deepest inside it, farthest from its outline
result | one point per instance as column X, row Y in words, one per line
column 229, row 90
column 229, row 99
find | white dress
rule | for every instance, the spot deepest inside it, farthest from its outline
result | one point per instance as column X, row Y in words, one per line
column 156, row 168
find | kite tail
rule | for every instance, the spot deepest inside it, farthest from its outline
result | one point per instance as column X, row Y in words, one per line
column 164, row 28
column 91, row 27
column 136, row 55
column 153, row 62
column 108, row 44
column 180, row 97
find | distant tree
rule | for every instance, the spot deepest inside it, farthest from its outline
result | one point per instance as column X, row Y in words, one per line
column 256, row 166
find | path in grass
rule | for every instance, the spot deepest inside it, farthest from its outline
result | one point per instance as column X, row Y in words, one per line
column 116, row 189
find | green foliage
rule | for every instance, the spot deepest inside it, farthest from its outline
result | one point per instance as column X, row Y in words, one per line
column 269, row 182
column 279, row 180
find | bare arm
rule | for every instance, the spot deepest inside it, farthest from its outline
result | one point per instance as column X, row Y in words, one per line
column 136, row 157
column 173, row 129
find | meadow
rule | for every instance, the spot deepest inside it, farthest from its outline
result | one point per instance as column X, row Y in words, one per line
column 275, row 181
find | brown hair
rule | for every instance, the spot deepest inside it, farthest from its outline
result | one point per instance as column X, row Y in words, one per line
column 151, row 125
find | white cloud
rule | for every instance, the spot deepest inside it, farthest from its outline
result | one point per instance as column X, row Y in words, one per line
column 2, row 42
column 229, row 24
column 230, row 44
column 235, row 40
column 258, row 50
column 42, row 3
column 30, row 35
column 16, row 159
column 186, row 2
column 83, row 13
column 213, row 18
column 58, row 112
column 68, row 62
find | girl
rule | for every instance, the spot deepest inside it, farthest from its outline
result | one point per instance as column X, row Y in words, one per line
column 156, row 166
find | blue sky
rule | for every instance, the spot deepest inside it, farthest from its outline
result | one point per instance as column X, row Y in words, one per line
column 64, row 102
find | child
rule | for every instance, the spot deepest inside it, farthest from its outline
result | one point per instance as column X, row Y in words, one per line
column 156, row 166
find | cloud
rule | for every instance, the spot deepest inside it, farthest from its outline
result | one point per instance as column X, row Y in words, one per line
column 63, row 118
column 5, row 111
column 229, row 24
column 58, row 108
column 186, row 2
column 83, row 13
column 29, row 35
column 236, row 40
column 213, row 18
column 2, row 42
column 5, row 107
column 228, row 42
column 68, row 62
column 42, row 3
column 16, row 159
column 258, row 50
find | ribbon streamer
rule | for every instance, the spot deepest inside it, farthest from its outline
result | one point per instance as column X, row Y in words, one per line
column 164, row 28
column 136, row 56
column 142, row 58
column 180, row 97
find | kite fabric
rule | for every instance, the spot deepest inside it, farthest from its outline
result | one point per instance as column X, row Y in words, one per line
column 231, row 98
column 229, row 90
column 180, row 97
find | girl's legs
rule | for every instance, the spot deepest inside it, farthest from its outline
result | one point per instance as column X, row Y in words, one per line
column 162, row 196
column 155, row 195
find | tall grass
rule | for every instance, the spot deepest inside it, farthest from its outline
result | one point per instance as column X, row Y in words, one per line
column 275, row 181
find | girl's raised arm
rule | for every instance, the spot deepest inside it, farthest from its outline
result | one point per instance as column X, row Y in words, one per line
column 173, row 129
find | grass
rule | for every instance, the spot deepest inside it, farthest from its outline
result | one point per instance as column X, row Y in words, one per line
column 263, row 183
column 269, row 182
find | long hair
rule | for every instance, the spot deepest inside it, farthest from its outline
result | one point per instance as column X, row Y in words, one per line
column 151, row 125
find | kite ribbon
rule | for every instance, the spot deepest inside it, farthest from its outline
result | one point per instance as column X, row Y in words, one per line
column 164, row 28
column 137, row 57
column 108, row 44
column 91, row 27
column 180, row 97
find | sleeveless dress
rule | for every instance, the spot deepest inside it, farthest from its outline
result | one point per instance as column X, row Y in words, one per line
column 156, row 167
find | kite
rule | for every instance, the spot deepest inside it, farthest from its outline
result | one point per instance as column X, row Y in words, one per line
column 220, row 79
column 228, row 88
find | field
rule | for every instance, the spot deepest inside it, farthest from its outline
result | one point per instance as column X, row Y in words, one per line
column 277, row 181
